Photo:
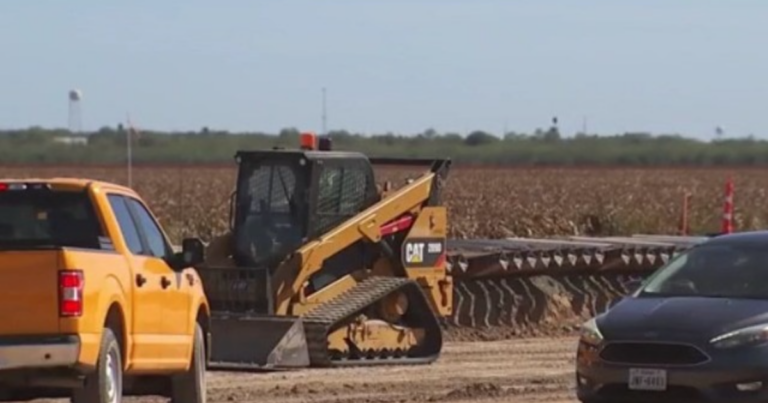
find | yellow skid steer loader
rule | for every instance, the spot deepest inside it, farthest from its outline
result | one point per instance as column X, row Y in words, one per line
column 321, row 268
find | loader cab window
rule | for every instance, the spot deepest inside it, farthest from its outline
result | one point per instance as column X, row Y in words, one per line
column 49, row 218
column 343, row 191
column 271, row 212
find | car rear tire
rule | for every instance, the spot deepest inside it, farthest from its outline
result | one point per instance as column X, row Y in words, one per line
column 190, row 387
column 105, row 385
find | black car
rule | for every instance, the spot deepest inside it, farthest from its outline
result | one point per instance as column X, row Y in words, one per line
column 696, row 330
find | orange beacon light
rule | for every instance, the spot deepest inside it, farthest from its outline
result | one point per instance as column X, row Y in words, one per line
column 308, row 141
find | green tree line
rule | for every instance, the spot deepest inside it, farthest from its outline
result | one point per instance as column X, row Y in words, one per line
column 543, row 147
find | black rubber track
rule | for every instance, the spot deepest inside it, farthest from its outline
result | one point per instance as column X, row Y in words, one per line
column 319, row 322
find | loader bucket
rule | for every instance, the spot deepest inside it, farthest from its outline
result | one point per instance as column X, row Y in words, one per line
column 257, row 342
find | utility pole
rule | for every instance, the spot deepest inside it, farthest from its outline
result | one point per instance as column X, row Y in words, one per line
column 325, row 116
column 129, row 149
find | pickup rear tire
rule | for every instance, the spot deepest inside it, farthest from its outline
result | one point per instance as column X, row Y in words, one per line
column 189, row 387
column 105, row 385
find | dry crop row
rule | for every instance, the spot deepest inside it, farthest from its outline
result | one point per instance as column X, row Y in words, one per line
column 482, row 202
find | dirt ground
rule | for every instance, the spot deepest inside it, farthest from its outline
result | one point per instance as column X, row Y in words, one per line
column 522, row 370
column 512, row 371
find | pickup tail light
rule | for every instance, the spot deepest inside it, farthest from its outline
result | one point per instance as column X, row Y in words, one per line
column 71, row 293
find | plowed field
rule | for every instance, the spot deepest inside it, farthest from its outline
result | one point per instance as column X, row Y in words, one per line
column 484, row 202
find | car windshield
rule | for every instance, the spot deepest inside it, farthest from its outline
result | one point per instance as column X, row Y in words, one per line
column 34, row 218
column 716, row 270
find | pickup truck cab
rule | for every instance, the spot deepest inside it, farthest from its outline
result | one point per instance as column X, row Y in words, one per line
column 94, row 302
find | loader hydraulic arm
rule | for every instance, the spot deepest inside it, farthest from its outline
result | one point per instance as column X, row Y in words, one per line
column 291, row 276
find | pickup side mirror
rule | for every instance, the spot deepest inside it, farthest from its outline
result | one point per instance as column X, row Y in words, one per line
column 192, row 252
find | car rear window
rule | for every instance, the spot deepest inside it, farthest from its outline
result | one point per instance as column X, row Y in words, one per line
column 48, row 218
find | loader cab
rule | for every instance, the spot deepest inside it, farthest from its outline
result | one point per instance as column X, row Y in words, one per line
column 285, row 198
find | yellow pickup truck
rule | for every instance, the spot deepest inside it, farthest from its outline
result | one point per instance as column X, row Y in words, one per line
column 94, row 302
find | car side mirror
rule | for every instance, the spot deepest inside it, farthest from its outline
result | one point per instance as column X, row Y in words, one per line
column 192, row 252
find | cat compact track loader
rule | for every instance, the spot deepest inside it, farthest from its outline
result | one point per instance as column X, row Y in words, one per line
column 320, row 268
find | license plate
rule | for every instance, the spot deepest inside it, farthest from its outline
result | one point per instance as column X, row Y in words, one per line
column 647, row 379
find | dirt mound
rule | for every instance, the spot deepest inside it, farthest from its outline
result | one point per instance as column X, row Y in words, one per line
column 503, row 308
column 475, row 391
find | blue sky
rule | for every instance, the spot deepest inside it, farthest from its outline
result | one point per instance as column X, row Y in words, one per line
column 682, row 66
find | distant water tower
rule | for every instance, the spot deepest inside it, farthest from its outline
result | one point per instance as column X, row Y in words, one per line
column 75, row 117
